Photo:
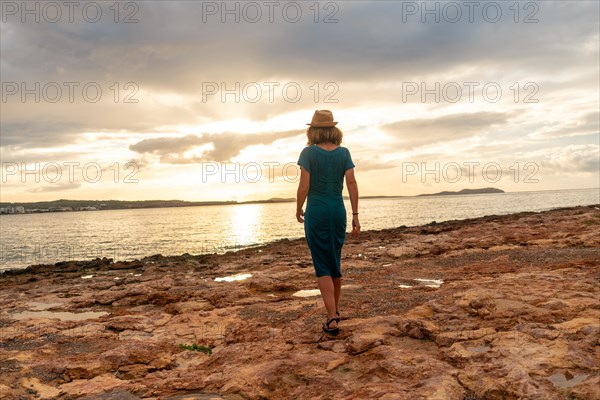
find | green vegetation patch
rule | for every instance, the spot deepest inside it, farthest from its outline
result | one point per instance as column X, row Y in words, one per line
column 197, row 347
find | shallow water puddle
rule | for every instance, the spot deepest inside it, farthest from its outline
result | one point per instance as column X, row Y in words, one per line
column 231, row 278
column 62, row 315
column 560, row 380
column 38, row 309
column 307, row 293
column 38, row 305
column 317, row 292
column 434, row 283
column 430, row 282
column 478, row 349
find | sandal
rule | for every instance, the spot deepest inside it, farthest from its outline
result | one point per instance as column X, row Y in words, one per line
column 327, row 329
column 337, row 318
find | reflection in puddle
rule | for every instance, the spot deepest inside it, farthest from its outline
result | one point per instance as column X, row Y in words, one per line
column 317, row 292
column 231, row 278
column 62, row 315
column 307, row 293
column 430, row 282
column 434, row 283
column 559, row 379
column 478, row 349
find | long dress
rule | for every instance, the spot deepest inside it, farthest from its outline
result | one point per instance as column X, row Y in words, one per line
column 325, row 215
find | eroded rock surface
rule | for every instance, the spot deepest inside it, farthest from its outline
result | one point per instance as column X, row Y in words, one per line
column 499, row 307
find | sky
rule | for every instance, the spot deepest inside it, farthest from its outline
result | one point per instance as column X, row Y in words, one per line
column 206, row 101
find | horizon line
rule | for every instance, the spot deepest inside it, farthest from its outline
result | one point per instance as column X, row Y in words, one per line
column 284, row 199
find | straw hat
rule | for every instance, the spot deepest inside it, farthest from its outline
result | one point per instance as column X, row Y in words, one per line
column 322, row 118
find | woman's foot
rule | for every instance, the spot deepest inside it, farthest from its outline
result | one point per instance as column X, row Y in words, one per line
column 337, row 317
column 328, row 329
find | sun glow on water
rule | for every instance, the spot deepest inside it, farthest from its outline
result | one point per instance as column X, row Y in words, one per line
column 245, row 223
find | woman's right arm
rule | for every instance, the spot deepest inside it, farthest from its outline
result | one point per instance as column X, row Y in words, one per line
column 302, row 193
column 353, row 192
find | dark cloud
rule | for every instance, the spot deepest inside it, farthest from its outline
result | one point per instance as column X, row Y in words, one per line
column 35, row 125
column 170, row 48
column 367, row 53
column 419, row 132
column 225, row 146
column 167, row 145
column 30, row 133
column 138, row 163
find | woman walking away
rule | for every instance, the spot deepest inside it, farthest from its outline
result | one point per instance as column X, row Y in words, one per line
column 323, row 166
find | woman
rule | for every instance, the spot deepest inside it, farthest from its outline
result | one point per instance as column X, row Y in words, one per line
column 323, row 166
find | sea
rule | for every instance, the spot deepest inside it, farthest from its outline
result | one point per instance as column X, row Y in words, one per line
column 48, row 238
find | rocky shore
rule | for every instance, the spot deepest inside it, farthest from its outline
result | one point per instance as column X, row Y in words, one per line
column 499, row 307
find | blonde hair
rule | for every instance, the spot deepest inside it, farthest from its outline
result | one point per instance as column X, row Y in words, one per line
column 329, row 134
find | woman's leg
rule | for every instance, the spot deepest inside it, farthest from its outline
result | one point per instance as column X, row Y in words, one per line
column 328, row 293
column 337, row 289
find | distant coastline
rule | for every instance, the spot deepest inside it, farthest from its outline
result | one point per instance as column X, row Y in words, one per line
column 65, row 205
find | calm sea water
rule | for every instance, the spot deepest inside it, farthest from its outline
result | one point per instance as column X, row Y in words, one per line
column 127, row 234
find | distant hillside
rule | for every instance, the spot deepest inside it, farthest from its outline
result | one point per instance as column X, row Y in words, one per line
column 465, row 191
column 57, row 205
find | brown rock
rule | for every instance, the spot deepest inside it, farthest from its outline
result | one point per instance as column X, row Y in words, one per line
column 359, row 343
column 41, row 390
column 420, row 329
column 99, row 384
column 587, row 389
column 448, row 338
column 189, row 307
column 516, row 318
column 154, row 355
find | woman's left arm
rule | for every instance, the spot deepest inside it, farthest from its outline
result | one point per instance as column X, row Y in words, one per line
column 302, row 193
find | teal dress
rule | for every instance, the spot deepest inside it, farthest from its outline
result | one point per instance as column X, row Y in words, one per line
column 325, row 215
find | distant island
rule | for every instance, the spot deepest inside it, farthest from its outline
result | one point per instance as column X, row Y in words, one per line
column 64, row 205
column 465, row 191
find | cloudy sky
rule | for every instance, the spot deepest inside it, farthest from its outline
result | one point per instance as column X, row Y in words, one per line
column 209, row 100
